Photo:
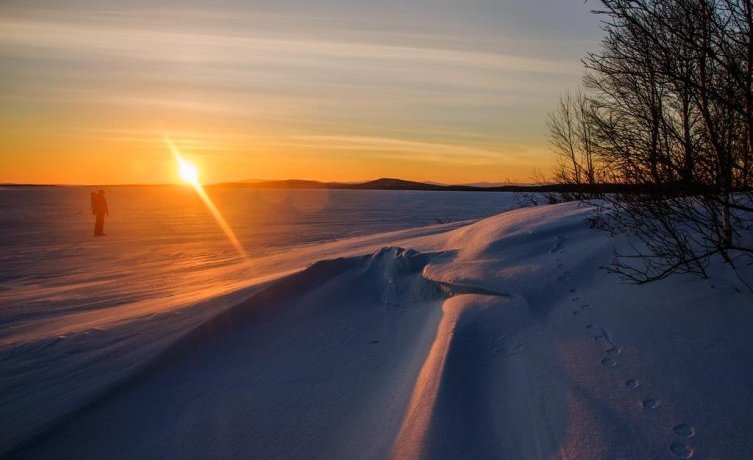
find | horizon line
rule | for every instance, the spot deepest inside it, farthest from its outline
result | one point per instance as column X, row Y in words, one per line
column 258, row 181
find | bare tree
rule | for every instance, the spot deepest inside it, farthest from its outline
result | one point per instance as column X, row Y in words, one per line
column 572, row 139
column 668, row 115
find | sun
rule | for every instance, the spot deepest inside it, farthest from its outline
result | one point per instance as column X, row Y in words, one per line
column 188, row 172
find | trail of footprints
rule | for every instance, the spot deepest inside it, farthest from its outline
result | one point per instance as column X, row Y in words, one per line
column 683, row 431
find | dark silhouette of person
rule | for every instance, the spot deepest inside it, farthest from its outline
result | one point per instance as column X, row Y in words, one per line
column 100, row 210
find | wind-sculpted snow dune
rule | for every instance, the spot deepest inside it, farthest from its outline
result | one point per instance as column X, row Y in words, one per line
column 501, row 339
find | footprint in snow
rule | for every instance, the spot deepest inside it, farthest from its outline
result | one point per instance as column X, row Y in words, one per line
column 572, row 290
column 589, row 327
column 576, row 312
column 614, row 351
column 584, row 306
column 684, row 430
column 650, row 403
column 681, row 450
column 633, row 384
column 608, row 362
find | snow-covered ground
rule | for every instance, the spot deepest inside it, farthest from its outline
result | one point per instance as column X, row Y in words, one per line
column 500, row 338
column 78, row 314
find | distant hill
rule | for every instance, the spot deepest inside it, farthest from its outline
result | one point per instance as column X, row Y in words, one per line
column 378, row 184
column 390, row 184
column 399, row 184
column 385, row 183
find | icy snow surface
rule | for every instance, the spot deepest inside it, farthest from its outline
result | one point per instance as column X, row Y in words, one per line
column 500, row 338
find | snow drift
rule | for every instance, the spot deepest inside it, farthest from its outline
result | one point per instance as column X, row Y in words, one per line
column 499, row 339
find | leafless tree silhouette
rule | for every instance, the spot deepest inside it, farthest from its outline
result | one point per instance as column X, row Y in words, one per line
column 667, row 113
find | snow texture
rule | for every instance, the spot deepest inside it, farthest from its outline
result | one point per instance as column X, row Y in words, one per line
column 501, row 338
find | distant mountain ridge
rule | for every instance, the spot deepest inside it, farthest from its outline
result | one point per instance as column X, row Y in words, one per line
column 385, row 183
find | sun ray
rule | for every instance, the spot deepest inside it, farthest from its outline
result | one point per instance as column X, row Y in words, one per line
column 190, row 174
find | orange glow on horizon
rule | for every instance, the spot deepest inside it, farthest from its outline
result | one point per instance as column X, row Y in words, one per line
column 272, row 95
column 190, row 174
column 89, row 160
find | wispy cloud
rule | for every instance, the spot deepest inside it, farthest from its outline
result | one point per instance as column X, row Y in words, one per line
column 77, row 39
column 426, row 83
column 398, row 148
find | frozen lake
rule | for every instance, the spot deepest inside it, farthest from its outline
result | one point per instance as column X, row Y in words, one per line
column 78, row 313
column 162, row 241
column 140, row 344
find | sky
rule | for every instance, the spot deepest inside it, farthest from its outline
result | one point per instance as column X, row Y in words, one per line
column 453, row 91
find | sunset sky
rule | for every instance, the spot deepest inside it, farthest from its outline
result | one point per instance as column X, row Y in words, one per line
column 452, row 91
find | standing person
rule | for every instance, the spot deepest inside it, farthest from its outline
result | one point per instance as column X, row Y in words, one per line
column 100, row 210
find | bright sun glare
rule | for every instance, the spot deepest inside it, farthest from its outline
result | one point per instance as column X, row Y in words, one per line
column 188, row 172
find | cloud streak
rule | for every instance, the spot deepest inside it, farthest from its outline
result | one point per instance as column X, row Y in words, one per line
column 417, row 85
